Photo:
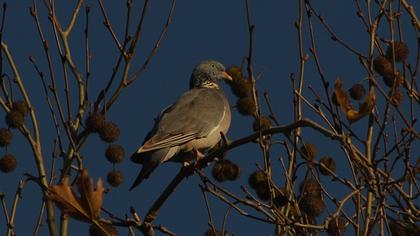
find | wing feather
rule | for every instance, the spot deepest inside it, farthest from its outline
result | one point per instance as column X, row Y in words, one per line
column 195, row 114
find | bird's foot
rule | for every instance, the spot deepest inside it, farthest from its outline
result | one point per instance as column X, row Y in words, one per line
column 198, row 155
column 224, row 141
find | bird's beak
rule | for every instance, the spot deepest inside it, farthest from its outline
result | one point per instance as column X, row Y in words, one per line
column 226, row 76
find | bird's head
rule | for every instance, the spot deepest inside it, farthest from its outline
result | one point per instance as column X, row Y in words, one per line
column 207, row 74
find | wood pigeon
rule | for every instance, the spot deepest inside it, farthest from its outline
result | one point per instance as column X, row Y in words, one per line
column 192, row 125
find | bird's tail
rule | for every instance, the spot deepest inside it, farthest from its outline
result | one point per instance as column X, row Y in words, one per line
column 144, row 173
column 150, row 161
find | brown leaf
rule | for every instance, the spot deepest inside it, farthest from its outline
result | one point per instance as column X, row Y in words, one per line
column 86, row 207
column 345, row 104
column 342, row 97
column 103, row 229
column 91, row 198
column 364, row 109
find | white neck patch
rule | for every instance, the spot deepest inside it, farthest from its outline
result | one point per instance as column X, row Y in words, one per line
column 209, row 84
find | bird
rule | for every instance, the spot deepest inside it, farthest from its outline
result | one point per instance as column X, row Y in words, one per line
column 189, row 127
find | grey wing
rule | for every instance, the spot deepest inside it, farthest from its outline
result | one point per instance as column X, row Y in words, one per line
column 139, row 157
column 195, row 114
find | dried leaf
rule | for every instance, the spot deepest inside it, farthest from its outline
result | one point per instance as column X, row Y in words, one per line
column 364, row 109
column 86, row 207
column 345, row 104
column 103, row 229
column 91, row 198
column 342, row 97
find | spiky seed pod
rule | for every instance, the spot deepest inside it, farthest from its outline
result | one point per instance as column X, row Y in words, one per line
column 114, row 153
column 109, row 132
column 265, row 123
column 310, row 187
column 412, row 229
column 403, row 228
column 263, row 191
column 280, row 199
column 416, row 170
column 15, row 118
column 95, row 121
column 256, row 178
column 383, row 66
column 397, row 227
column 246, row 106
column 308, row 151
column 389, row 80
column 94, row 230
column 5, row 137
column 218, row 171
column 8, row 163
column 327, row 163
column 115, row 178
column 357, row 91
column 231, row 171
column 210, row 232
column 397, row 97
column 312, row 205
column 401, row 51
column 336, row 226
column 235, row 72
column 241, row 87
column 21, row 107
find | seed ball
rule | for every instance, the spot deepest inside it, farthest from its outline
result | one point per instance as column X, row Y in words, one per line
column 357, row 91
column 231, row 171
column 114, row 153
column 265, row 123
column 397, row 97
column 5, row 137
column 235, row 72
column 8, row 163
column 397, row 227
column 280, row 199
column 256, row 178
column 263, row 192
column 246, row 106
column 336, row 226
column 391, row 79
column 412, row 228
column 308, row 151
column 325, row 164
column 15, row 118
column 218, row 171
column 312, row 205
column 401, row 51
column 383, row 66
column 310, row 187
column 94, row 230
column 109, row 132
column 210, row 232
column 21, row 107
column 241, row 87
column 95, row 122
column 115, row 178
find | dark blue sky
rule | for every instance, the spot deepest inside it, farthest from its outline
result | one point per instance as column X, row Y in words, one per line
column 200, row 30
